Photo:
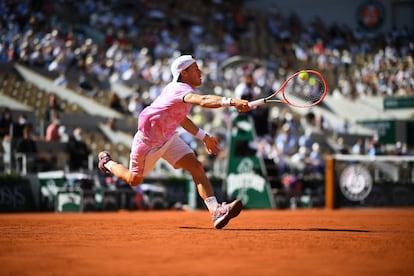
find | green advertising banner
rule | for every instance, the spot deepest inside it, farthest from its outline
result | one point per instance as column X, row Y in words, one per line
column 398, row 102
column 50, row 183
column 385, row 128
column 69, row 201
column 17, row 195
column 246, row 176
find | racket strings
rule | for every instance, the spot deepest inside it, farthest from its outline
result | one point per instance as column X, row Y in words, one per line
column 304, row 92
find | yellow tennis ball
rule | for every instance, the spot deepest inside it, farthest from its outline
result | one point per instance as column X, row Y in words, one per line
column 303, row 76
column 312, row 81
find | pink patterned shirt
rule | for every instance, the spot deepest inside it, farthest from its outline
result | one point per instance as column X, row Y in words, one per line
column 159, row 121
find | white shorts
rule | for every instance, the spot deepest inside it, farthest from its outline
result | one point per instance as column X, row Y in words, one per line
column 143, row 161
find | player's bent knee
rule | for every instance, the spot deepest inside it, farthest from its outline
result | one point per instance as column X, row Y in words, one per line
column 134, row 179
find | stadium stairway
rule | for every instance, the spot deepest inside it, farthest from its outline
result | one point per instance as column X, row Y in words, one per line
column 336, row 114
column 92, row 118
column 116, row 136
column 12, row 103
column 377, row 102
column 89, row 105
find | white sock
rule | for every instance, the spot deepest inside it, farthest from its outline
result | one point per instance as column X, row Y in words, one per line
column 109, row 164
column 211, row 203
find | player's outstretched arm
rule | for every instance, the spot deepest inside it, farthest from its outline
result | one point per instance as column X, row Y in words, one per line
column 214, row 101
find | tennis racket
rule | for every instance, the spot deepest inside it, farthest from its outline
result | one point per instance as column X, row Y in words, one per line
column 304, row 88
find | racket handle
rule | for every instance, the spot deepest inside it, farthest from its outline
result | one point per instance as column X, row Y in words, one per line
column 257, row 103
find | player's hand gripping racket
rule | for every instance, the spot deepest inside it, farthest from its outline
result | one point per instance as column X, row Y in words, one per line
column 305, row 88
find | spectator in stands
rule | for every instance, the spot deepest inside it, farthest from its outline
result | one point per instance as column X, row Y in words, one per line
column 342, row 148
column 58, row 64
column 53, row 107
column 135, row 105
column 64, row 136
column 111, row 123
column 19, row 126
column 299, row 161
column 86, row 86
column 7, row 152
column 27, row 145
column 381, row 64
column 358, row 147
column 4, row 51
column 52, row 131
column 6, row 122
column 116, row 103
column 374, row 148
column 78, row 151
column 316, row 162
column 286, row 141
column 131, row 75
column 247, row 89
column 61, row 79
column 305, row 139
column 261, row 121
column 155, row 90
column 401, row 149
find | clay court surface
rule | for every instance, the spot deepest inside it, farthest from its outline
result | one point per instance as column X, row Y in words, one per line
column 258, row 242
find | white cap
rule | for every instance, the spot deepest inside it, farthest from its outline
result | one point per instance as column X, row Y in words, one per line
column 179, row 64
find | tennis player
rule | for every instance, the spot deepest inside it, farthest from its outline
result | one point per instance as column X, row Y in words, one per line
column 157, row 137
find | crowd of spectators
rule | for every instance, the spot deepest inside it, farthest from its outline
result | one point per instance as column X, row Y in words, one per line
column 134, row 43
column 138, row 44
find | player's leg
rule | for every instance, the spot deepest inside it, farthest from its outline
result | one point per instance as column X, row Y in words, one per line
column 107, row 165
column 180, row 155
column 190, row 163
column 135, row 173
column 221, row 214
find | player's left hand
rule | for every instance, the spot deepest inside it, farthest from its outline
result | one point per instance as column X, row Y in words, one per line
column 211, row 144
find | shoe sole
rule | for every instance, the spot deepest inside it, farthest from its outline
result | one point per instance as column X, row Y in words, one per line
column 234, row 212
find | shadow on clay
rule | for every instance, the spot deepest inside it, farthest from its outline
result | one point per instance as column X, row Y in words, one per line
column 281, row 229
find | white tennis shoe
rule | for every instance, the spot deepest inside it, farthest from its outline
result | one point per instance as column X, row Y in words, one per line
column 225, row 212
